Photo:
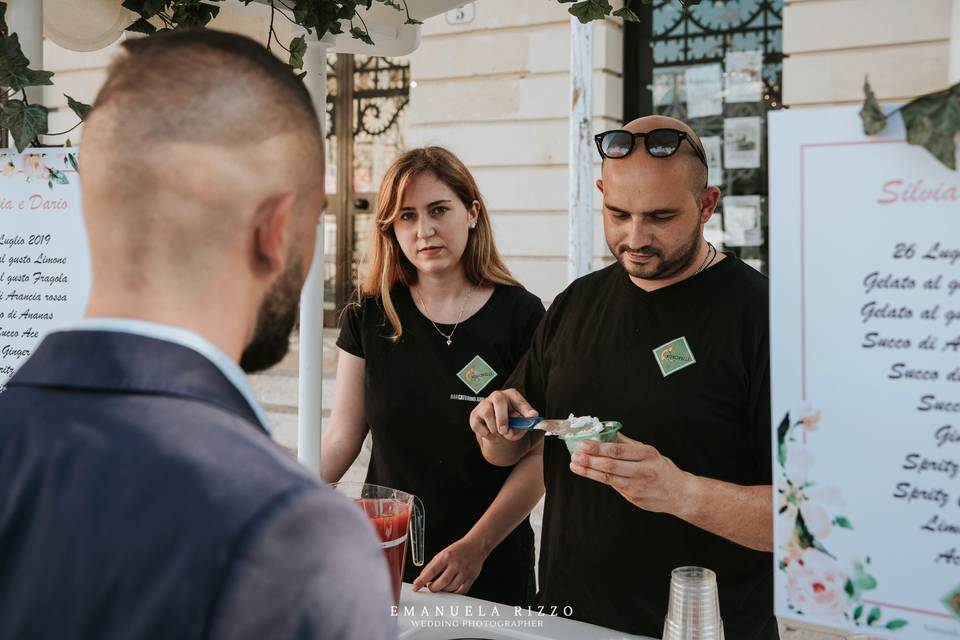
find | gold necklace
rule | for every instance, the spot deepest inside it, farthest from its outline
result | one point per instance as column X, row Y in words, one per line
column 448, row 337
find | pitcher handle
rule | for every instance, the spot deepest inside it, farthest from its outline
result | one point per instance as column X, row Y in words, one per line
column 417, row 523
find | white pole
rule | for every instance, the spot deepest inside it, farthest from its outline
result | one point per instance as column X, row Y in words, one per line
column 310, row 403
column 580, row 252
column 954, row 73
column 25, row 18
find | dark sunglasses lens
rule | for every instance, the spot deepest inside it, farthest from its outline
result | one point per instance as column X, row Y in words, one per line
column 616, row 144
column 662, row 143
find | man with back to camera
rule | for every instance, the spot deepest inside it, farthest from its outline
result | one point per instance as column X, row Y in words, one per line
column 672, row 341
column 142, row 495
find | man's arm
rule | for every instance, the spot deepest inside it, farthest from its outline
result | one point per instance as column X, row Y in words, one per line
column 735, row 512
column 651, row 481
column 310, row 567
column 501, row 445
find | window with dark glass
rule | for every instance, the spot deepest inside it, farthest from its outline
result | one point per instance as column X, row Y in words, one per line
column 717, row 66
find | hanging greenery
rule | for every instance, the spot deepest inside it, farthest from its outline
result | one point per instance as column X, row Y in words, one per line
column 932, row 121
column 27, row 122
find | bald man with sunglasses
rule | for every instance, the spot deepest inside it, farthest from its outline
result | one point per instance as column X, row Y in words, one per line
column 672, row 340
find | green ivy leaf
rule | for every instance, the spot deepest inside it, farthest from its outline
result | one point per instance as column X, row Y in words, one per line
column 872, row 116
column 72, row 157
column 858, row 611
column 15, row 73
column 391, row 4
column 79, row 108
column 298, row 47
column 873, row 616
column 154, row 7
column 842, row 522
column 348, row 10
column 361, row 35
column 146, row 8
column 24, row 121
column 588, row 10
column 412, row 21
column 31, row 78
column 142, row 26
column 933, row 121
column 627, row 14
column 321, row 17
column 195, row 15
column 782, row 432
column 893, row 625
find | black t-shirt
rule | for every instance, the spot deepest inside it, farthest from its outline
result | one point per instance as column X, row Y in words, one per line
column 418, row 395
column 594, row 355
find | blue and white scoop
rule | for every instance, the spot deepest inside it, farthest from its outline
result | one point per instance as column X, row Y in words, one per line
column 572, row 426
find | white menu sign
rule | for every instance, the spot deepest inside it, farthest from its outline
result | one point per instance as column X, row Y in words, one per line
column 865, row 358
column 44, row 259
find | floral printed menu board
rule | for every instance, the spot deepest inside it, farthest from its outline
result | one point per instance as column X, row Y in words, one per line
column 865, row 320
column 44, row 260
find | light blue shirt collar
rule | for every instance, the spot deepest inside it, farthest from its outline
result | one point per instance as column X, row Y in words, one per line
column 185, row 338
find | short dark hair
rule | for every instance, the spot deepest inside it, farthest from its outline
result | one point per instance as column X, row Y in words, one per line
column 172, row 92
column 208, row 86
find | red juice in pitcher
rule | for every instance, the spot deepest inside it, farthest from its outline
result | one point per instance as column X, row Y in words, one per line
column 391, row 520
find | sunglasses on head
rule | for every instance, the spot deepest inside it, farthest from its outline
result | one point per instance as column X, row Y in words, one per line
column 660, row 143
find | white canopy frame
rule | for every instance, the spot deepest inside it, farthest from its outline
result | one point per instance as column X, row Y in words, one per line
column 392, row 37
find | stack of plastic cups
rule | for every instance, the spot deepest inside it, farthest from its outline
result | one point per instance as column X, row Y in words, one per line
column 694, row 609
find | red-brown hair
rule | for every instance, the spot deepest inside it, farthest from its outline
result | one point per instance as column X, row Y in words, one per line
column 388, row 266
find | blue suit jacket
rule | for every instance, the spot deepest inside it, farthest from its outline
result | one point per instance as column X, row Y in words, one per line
column 139, row 498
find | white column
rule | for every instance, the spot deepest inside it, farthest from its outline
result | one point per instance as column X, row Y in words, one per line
column 310, row 403
column 580, row 252
column 25, row 18
column 954, row 73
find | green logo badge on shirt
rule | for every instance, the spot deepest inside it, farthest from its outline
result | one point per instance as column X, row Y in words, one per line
column 673, row 356
column 477, row 374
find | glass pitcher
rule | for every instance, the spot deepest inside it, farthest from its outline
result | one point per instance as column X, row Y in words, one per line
column 393, row 514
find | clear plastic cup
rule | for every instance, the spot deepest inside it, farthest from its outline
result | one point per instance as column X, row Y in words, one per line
column 694, row 609
column 609, row 434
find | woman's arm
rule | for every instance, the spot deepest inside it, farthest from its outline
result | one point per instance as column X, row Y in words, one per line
column 516, row 499
column 343, row 437
column 456, row 567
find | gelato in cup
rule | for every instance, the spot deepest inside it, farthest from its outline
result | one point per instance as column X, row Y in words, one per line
column 607, row 434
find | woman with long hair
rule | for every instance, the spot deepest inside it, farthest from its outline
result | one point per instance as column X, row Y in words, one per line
column 439, row 324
